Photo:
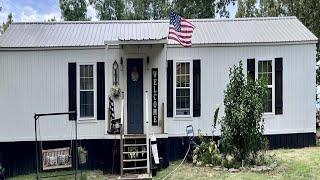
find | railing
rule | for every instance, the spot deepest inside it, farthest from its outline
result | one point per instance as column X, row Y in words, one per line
column 121, row 134
column 147, row 132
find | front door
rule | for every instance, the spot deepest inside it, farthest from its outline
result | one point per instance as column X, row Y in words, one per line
column 135, row 96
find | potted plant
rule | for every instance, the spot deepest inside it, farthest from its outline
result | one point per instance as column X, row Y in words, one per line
column 115, row 91
column 82, row 155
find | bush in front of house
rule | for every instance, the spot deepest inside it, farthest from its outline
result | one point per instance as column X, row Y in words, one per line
column 242, row 142
column 242, row 126
column 207, row 152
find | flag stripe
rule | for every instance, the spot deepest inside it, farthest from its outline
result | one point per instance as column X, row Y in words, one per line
column 182, row 36
column 182, row 43
column 182, row 40
column 183, row 31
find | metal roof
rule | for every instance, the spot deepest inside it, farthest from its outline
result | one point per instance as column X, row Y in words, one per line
column 208, row 31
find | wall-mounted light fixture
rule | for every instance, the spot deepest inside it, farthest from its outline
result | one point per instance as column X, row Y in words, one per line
column 121, row 63
column 148, row 62
column 115, row 73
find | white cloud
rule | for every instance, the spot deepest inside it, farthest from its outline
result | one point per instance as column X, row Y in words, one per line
column 91, row 12
column 31, row 15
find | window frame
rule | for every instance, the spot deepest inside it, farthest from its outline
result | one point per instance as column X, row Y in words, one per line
column 94, row 92
column 269, row 86
column 175, row 88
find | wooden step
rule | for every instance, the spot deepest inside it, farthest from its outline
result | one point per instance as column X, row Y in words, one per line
column 134, row 168
column 135, row 176
column 135, row 152
column 133, row 145
column 134, row 136
column 134, row 160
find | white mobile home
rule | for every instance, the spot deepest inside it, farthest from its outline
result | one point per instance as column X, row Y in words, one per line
column 82, row 67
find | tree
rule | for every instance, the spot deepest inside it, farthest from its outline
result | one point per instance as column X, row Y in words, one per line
column 270, row 8
column 242, row 126
column 246, row 8
column 221, row 7
column 109, row 9
column 74, row 10
column 194, row 9
column 160, row 9
column 138, row 9
column 6, row 24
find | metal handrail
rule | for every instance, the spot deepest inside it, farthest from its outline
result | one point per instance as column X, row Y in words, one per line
column 147, row 133
column 121, row 135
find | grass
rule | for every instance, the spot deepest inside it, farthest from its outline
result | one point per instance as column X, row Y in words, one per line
column 63, row 175
column 294, row 164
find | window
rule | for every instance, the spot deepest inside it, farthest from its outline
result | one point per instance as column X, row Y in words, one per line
column 87, row 91
column 183, row 71
column 265, row 70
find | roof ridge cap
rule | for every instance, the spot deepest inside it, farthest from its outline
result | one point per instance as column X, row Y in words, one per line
column 162, row 21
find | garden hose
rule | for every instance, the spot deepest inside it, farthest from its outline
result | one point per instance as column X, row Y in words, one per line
column 185, row 157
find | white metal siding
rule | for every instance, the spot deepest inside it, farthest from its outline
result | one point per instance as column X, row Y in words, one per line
column 298, row 85
column 37, row 82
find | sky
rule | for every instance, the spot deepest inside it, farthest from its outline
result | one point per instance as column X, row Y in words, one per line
column 42, row 10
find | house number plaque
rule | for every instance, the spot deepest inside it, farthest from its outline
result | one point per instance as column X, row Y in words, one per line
column 155, row 97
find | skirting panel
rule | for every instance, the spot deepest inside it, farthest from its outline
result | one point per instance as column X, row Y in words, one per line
column 298, row 140
column 19, row 157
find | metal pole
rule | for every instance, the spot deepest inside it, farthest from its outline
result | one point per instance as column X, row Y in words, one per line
column 36, row 117
column 121, row 135
column 147, row 133
column 121, row 150
column 36, row 144
column 76, row 146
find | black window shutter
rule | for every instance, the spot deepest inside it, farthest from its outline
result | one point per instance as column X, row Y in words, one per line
column 196, row 88
column 170, row 89
column 278, row 86
column 72, row 85
column 100, row 91
column 251, row 68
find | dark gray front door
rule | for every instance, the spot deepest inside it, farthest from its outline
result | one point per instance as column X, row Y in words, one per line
column 135, row 96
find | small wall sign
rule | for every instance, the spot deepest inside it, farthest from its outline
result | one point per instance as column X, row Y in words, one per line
column 154, row 103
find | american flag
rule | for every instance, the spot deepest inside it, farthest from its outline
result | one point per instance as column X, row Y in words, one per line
column 180, row 29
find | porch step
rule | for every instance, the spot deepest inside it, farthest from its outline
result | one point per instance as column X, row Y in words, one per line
column 134, row 136
column 135, row 152
column 134, row 145
column 135, row 176
column 134, row 160
column 134, row 168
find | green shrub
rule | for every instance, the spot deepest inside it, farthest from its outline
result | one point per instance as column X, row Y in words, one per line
column 206, row 152
column 242, row 126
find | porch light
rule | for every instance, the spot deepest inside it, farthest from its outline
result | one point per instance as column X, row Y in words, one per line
column 121, row 63
column 115, row 73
